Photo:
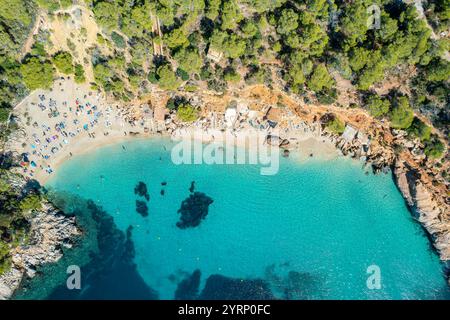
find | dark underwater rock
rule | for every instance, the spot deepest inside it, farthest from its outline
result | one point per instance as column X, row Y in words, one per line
column 188, row 288
column 141, row 208
column 141, row 190
column 111, row 255
column 192, row 187
column 219, row 287
column 193, row 210
column 292, row 284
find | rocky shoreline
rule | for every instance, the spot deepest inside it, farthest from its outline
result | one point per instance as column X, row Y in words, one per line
column 426, row 209
column 50, row 232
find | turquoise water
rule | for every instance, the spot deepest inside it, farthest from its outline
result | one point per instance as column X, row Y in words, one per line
column 309, row 232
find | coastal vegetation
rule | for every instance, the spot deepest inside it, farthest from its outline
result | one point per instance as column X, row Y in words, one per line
column 333, row 123
column 17, row 206
column 187, row 113
column 401, row 114
column 420, row 130
column 37, row 73
column 377, row 106
column 16, row 19
column 63, row 62
column 434, row 147
column 438, row 14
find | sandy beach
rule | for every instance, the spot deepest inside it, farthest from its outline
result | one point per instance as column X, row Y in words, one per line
column 71, row 119
column 66, row 121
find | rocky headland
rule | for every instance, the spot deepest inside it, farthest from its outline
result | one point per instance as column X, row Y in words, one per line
column 50, row 231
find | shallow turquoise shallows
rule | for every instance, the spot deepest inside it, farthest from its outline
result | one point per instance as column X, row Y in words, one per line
column 309, row 232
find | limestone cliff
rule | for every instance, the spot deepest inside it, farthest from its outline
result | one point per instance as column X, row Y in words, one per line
column 426, row 208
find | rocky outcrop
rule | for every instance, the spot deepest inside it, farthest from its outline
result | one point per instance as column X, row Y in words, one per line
column 429, row 211
column 50, row 231
column 358, row 145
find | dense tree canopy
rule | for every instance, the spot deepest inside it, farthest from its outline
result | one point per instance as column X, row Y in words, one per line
column 231, row 15
column 420, row 130
column 63, row 62
column 189, row 60
column 335, row 125
column 438, row 70
column 79, row 74
column 16, row 17
column 377, row 106
column 320, row 79
column 401, row 114
column 311, row 37
column 107, row 14
column 434, row 148
column 167, row 78
column 37, row 74
column 187, row 113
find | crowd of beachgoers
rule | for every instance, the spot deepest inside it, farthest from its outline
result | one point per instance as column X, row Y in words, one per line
column 56, row 121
